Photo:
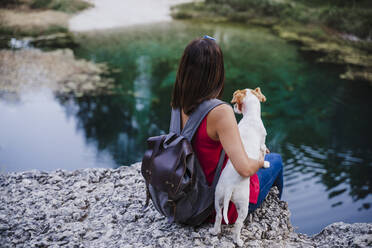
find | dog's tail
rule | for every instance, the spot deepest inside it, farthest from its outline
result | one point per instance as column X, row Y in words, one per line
column 226, row 201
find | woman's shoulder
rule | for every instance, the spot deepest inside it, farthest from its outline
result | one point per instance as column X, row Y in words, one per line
column 221, row 113
column 220, row 117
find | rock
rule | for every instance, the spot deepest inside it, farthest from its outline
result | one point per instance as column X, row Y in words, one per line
column 345, row 235
column 57, row 70
column 103, row 208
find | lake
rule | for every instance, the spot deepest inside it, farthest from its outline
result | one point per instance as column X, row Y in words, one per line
column 319, row 123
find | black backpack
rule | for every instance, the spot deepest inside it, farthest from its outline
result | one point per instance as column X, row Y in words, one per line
column 175, row 182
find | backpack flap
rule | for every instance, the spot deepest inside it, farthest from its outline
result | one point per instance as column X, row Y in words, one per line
column 153, row 145
column 165, row 168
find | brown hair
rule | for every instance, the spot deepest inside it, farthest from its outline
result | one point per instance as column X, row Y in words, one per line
column 200, row 76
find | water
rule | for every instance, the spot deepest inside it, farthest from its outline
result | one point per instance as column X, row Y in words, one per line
column 37, row 132
column 319, row 123
column 113, row 13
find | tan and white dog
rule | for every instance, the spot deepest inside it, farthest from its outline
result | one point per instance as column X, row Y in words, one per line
column 232, row 186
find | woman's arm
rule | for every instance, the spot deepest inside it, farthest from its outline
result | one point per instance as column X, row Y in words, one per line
column 222, row 126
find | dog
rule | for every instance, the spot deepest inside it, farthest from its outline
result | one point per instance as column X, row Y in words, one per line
column 232, row 186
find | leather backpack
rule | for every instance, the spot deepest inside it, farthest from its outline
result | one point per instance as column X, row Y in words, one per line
column 175, row 181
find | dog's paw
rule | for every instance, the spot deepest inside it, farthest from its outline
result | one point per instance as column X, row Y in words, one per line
column 215, row 231
column 266, row 164
column 239, row 242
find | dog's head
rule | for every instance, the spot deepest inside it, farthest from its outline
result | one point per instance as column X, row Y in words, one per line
column 242, row 98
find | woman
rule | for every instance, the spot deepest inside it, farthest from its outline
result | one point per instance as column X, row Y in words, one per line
column 201, row 76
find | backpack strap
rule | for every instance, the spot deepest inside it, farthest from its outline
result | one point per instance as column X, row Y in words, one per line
column 194, row 120
column 175, row 123
column 197, row 117
column 218, row 169
column 192, row 125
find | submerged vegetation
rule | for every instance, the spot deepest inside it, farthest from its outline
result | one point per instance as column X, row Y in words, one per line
column 340, row 29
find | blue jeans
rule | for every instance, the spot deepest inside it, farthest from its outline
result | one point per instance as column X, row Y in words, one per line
column 268, row 178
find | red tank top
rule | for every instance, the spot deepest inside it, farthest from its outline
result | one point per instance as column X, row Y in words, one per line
column 208, row 152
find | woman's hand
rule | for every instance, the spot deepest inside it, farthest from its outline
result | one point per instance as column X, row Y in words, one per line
column 261, row 159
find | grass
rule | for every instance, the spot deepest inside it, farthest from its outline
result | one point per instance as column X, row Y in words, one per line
column 67, row 6
column 17, row 31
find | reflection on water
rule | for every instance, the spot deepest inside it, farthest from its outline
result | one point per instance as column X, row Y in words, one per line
column 36, row 133
column 323, row 185
column 319, row 123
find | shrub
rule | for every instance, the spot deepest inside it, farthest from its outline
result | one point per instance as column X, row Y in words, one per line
column 354, row 17
column 6, row 3
column 357, row 21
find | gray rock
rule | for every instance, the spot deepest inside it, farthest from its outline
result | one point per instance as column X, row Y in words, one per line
column 103, row 208
column 345, row 235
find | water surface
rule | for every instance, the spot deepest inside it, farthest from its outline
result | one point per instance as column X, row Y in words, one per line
column 319, row 123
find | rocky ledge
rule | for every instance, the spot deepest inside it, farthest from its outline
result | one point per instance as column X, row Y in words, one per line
column 102, row 208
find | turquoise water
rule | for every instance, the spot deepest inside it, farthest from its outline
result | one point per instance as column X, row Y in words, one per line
column 316, row 121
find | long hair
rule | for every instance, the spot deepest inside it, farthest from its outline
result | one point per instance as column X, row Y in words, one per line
column 200, row 75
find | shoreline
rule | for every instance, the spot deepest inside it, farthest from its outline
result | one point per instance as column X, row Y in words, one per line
column 55, row 29
column 69, row 77
column 87, row 15
column 102, row 207
column 334, row 46
column 114, row 14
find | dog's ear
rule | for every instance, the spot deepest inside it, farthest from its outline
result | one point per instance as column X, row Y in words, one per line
column 259, row 94
column 238, row 98
column 235, row 98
